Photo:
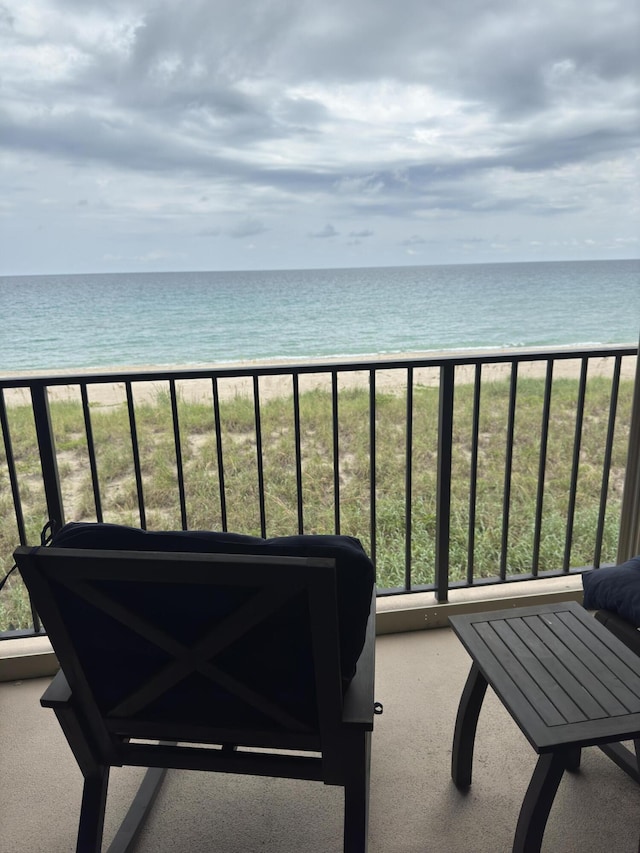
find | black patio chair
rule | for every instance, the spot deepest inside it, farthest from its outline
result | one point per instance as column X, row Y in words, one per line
column 211, row 652
column 613, row 592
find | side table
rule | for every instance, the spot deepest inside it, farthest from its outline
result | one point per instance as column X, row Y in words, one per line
column 566, row 681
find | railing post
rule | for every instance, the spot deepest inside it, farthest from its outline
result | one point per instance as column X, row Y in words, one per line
column 629, row 539
column 408, row 482
column 48, row 458
column 443, row 489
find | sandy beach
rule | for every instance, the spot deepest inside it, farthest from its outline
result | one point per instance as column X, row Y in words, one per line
column 392, row 380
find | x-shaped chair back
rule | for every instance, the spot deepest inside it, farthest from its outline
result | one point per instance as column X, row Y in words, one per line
column 182, row 646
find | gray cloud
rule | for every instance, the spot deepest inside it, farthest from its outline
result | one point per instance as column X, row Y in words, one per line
column 246, row 228
column 327, row 231
column 6, row 18
column 374, row 113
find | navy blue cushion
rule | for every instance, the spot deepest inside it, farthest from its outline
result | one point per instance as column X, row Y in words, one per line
column 616, row 589
column 355, row 574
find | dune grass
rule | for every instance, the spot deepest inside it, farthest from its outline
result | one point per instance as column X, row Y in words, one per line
column 199, row 453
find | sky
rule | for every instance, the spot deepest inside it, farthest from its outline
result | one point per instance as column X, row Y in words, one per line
column 156, row 135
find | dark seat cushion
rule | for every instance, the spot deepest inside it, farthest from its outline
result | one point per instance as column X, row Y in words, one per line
column 616, row 589
column 355, row 574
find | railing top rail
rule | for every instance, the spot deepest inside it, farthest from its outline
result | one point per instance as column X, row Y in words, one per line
column 295, row 368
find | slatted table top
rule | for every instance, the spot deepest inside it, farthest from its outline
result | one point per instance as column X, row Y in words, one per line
column 563, row 677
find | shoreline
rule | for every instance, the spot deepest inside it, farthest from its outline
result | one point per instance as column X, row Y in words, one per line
column 290, row 361
column 392, row 380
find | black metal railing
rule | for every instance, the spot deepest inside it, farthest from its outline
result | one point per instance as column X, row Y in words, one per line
column 33, row 476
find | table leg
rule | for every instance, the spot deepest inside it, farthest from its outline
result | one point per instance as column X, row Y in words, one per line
column 538, row 801
column 572, row 759
column 465, row 730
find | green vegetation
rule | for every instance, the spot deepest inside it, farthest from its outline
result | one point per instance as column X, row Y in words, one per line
column 202, row 491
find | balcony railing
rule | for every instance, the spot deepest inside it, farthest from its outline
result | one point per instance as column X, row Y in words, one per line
column 453, row 470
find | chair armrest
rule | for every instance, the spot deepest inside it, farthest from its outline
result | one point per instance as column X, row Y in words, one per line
column 358, row 699
column 58, row 693
column 623, row 630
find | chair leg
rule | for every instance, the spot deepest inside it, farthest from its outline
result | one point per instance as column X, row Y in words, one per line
column 135, row 818
column 627, row 759
column 356, row 796
column 94, row 800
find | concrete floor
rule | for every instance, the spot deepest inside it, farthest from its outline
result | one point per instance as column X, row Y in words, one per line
column 414, row 806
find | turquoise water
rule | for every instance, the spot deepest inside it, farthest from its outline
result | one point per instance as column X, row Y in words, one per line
column 96, row 321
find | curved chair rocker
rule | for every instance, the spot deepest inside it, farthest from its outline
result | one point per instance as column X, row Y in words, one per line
column 211, row 645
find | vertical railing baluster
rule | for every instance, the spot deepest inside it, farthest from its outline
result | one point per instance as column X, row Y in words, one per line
column 542, row 468
column 336, row 450
column 506, row 503
column 47, row 451
column 91, row 450
column 135, row 449
column 298, row 450
column 408, row 482
column 473, row 475
column 575, row 466
column 15, row 492
column 178, row 448
column 373, row 524
column 606, row 463
column 443, row 487
column 11, row 469
column 48, row 465
column 219, row 454
column 259, row 456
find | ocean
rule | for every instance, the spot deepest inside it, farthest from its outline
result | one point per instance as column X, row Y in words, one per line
column 193, row 318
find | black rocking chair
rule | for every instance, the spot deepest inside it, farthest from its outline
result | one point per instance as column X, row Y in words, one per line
column 208, row 661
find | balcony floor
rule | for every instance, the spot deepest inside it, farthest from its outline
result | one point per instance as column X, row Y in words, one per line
column 414, row 805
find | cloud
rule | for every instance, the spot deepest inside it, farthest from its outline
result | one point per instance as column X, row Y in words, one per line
column 246, row 228
column 148, row 258
column 377, row 116
column 414, row 240
column 6, row 18
column 327, row 231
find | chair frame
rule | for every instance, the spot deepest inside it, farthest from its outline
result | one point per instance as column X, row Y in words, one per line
column 336, row 752
column 627, row 759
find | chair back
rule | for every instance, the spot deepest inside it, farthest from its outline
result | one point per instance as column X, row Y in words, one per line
column 239, row 649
